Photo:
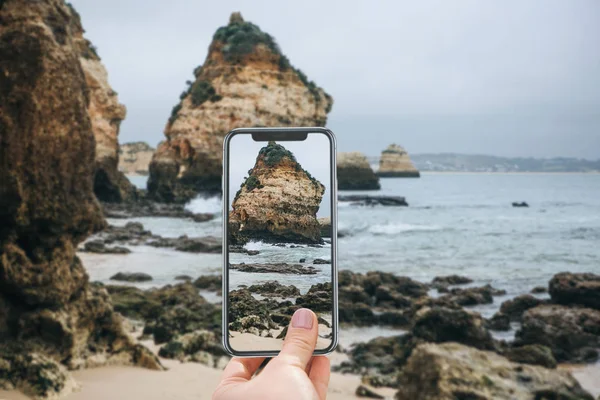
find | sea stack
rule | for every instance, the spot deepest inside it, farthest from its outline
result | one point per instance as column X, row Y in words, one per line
column 50, row 315
column 355, row 173
column 277, row 202
column 135, row 157
column 395, row 163
column 245, row 81
column 106, row 114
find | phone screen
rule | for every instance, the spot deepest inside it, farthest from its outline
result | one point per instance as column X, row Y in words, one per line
column 280, row 239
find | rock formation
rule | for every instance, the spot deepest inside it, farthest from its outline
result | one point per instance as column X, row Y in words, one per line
column 47, row 204
column 454, row 371
column 278, row 202
column 355, row 173
column 395, row 163
column 134, row 158
column 245, row 81
column 106, row 114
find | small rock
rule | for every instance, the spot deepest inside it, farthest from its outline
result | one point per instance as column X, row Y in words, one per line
column 539, row 289
column 280, row 268
column 321, row 261
column 520, row 204
column 253, row 252
column 364, row 391
column 183, row 278
column 131, row 277
column 302, row 260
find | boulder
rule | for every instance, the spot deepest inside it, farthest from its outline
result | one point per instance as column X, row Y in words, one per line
column 499, row 322
column 131, row 277
column 211, row 283
column 473, row 295
column 573, row 334
column 135, row 157
column 515, row 308
column 278, row 268
column 200, row 346
column 277, row 202
column 450, row 280
column 36, row 375
column 395, row 163
column 534, row 354
column 453, row 371
column 440, row 324
column 98, row 247
column 355, row 173
column 274, row 289
column 581, row 289
column 244, row 81
column 366, row 200
column 325, row 225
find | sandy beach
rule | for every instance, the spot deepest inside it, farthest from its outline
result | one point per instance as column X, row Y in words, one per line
column 182, row 381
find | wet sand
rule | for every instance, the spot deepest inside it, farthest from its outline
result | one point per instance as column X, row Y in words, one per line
column 251, row 342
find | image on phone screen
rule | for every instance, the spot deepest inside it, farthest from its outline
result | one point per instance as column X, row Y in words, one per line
column 280, row 249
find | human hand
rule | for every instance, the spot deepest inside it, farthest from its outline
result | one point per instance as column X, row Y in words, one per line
column 293, row 375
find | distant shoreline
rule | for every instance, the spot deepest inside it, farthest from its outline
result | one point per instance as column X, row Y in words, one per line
column 505, row 173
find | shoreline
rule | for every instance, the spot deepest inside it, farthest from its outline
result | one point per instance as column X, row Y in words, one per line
column 506, row 173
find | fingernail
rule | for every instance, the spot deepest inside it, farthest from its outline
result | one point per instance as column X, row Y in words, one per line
column 302, row 319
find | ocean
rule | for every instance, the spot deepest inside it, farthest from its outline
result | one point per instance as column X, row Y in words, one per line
column 455, row 224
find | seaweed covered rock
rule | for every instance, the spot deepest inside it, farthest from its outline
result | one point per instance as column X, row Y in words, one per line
column 454, row 371
column 573, row 334
column 278, row 201
column 355, row 173
column 47, row 202
column 201, row 346
column 576, row 289
column 244, row 81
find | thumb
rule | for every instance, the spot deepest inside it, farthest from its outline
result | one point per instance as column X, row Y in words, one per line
column 300, row 340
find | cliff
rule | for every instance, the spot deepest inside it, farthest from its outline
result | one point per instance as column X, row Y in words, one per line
column 49, row 312
column 355, row 173
column 395, row 163
column 134, row 158
column 278, row 202
column 106, row 114
column 245, row 81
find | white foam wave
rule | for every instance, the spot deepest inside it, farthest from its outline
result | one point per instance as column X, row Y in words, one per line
column 205, row 205
column 391, row 229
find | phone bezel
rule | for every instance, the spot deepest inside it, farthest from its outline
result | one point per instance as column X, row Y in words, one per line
column 225, row 202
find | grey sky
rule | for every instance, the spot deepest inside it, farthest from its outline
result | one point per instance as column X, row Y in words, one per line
column 312, row 154
column 513, row 77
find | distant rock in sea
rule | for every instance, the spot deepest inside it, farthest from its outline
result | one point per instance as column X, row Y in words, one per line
column 49, row 312
column 135, row 157
column 245, row 81
column 106, row 115
column 395, row 163
column 355, row 173
column 278, row 201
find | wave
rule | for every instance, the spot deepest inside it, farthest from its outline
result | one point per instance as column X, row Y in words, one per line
column 391, row 229
column 201, row 204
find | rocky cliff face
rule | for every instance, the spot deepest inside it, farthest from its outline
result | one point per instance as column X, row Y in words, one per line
column 47, row 203
column 355, row 173
column 106, row 114
column 395, row 163
column 134, row 158
column 245, row 81
column 278, row 202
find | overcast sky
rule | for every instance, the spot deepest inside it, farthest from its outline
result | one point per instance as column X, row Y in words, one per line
column 511, row 77
column 312, row 154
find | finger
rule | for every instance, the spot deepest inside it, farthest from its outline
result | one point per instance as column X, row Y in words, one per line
column 300, row 340
column 319, row 375
column 241, row 368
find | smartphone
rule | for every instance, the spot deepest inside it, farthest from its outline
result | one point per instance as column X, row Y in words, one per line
column 279, row 236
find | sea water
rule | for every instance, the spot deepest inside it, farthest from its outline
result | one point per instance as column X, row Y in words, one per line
column 455, row 224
